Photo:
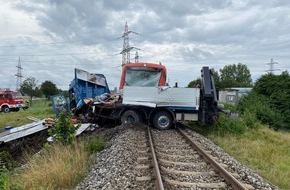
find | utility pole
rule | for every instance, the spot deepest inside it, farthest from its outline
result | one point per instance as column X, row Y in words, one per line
column 18, row 75
column 126, row 46
column 271, row 64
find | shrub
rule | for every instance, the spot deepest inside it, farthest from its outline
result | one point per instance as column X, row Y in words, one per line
column 260, row 107
column 64, row 130
column 250, row 119
column 229, row 126
column 230, row 107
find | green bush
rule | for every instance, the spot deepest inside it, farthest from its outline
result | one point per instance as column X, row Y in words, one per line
column 270, row 117
column 230, row 107
column 64, row 130
column 250, row 119
column 227, row 125
column 258, row 106
column 273, row 91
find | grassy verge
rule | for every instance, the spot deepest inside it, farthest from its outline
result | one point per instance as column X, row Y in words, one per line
column 58, row 166
column 264, row 150
column 39, row 109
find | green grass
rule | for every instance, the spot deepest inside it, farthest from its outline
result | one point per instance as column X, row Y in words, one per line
column 264, row 150
column 39, row 109
column 57, row 166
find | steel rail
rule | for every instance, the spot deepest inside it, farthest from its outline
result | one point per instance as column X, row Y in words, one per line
column 155, row 163
column 229, row 177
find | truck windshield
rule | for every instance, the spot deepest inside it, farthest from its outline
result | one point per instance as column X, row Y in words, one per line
column 144, row 76
column 16, row 95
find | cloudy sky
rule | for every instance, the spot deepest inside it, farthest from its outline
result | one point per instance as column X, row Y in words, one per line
column 52, row 37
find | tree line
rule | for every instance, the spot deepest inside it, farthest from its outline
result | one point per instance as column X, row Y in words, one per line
column 230, row 76
column 47, row 89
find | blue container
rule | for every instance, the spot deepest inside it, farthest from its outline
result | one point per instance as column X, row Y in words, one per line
column 7, row 128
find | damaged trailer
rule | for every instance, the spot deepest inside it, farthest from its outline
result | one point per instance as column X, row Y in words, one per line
column 84, row 85
column 160, row 106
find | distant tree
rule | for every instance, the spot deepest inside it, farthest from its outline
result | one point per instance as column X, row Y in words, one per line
column 29, row 87
column 235, row 76
column 48, row 88
column 198, row 81
column 195, row 83
column 63, row 92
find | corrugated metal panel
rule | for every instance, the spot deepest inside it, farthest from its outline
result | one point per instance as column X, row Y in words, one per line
column 25, row 130
column 178, row 97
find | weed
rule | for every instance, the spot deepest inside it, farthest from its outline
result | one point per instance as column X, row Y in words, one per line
column 95, row 144
column 56, row 167
column 229, row 126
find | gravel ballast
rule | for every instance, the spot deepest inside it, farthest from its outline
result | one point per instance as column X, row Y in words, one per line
column 115, row 166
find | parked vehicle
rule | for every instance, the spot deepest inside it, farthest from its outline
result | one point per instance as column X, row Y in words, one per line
column 10, row 100
column 147, row 99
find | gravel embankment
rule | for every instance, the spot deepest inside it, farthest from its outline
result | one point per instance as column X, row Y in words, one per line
column 115, row 167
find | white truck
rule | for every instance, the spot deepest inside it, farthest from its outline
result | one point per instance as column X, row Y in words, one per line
column 160, row 106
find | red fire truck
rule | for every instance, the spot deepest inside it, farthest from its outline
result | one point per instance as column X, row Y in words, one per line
column 10, row 100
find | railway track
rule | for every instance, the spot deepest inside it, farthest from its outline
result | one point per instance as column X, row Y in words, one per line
column 172, row 160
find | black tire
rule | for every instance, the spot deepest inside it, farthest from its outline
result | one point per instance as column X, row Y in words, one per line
column 5, row 109
column 163, row 120
column 130, row 117
column 16, row 109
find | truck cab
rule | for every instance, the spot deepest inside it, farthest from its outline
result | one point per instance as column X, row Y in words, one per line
column 143, row 75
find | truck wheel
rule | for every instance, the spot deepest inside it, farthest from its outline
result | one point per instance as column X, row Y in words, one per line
column 130, row 117
column 16, row 109
column 162, row 120
column 5, row 109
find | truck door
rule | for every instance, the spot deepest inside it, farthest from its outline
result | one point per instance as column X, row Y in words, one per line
column 59, row 103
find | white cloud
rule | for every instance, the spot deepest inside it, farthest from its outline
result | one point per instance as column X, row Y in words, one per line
column 184, row 35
